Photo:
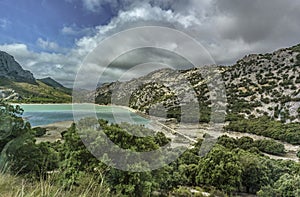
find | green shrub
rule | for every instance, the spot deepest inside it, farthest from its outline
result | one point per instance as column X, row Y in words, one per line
column 39, row 131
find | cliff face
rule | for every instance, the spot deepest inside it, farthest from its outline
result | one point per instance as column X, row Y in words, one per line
column 12, row 70
column 17, row 84
column 257, row 85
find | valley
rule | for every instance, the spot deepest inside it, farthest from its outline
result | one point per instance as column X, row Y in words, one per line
column 258, row 126
column 151, row 98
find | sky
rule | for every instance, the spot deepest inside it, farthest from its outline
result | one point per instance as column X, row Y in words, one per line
column 54, row 37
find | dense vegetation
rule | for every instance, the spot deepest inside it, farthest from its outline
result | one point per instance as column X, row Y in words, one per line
column 19, row 152
column 247, row 143
column 267, row 127
column 233, row 165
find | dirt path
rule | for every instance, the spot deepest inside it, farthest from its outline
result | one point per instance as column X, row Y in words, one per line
column 291, row 149
column 181, row 135
column 198, row 130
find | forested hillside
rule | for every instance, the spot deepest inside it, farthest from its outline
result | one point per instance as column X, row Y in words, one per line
column 67, row 168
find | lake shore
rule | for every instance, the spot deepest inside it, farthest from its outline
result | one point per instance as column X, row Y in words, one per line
column 192, row 132
column 108, row 105
column 53, row 131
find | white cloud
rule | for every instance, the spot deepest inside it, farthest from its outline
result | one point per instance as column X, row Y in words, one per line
column 76, row 31
column 47, row 45
column 96, row 5
column 4, row 23
column 59, row 66
column 92, row 4
column 68, row 31
column 227, row 29
column 20, row 50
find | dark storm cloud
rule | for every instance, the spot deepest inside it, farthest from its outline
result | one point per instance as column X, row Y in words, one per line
column 257, row 20
column 227, row 29
column 145, row 55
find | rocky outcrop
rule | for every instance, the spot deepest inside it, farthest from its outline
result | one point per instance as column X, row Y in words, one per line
column 17, row 84
column 11, row 69
column 257, row 85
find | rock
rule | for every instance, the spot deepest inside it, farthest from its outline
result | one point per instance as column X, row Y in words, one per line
column 11, row 69
column 257, row 85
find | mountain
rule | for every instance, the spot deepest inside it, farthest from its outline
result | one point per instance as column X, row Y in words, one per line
column 12, row 70
column 56, row 85
column 51, row 82
column 19, row 85
column 257, row 85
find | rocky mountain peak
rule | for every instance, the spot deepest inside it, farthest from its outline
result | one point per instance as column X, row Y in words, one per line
column 11, row 69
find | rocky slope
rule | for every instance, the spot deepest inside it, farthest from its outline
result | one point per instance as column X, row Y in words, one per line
column 266, row 84
column 12, row 70
column 257, row 85
column 19, row 85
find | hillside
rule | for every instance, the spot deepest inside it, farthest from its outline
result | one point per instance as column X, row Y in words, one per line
column 51, row 82
column 19, row 85
column 12, row 70
column 257, row 85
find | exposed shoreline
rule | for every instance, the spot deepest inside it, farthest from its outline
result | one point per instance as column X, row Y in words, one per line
column 54, row 129
column 109, row 105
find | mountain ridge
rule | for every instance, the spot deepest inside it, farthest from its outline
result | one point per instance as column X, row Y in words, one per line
column 11, row 69
column 256, row 85
column 51, row 82
column 19, row 85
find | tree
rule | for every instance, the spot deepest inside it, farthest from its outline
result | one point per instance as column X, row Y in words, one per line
column 19, row 152
column 220, row 168
column 254, row 173
column 245, row 142
column 23, row 156
column 227, row 142
column 287, row 185
column 11, row 124
column 76, row 160
column 132, row 183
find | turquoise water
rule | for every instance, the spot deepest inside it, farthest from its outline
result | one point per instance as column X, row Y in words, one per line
column 42, row 114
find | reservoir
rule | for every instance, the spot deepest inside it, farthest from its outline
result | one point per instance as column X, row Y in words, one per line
column 43, row 114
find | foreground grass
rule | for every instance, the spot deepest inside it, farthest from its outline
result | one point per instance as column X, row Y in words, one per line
column 15, row 186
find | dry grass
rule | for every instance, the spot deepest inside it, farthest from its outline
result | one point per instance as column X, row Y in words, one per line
column 42, row 89
column 14, row 186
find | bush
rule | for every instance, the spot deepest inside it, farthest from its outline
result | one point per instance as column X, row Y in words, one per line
column 270, row 146
column 247, row 143
column 19, row 152
column 39, row 131
column 269, row 128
